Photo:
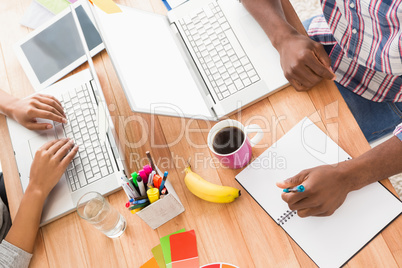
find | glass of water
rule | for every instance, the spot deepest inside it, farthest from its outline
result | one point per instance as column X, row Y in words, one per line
column 95, row 209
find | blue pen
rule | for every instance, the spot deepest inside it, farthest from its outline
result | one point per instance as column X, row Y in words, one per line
column 163, row 181
column 166, row 5
column 299, row 188
column 132, row 202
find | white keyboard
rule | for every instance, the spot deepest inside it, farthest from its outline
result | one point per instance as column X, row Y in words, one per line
column 92, row 160
column 218, row 51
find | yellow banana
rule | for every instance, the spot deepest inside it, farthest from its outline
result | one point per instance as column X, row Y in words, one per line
column 209, row 191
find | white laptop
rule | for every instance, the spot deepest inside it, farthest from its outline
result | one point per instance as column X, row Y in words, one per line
column 206, row 59
column 97, row 165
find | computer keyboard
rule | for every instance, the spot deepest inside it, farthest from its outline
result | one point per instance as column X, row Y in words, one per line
column 92, row 160
column 218, row 50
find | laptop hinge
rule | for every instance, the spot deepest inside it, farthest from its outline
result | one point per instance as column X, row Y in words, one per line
column 211, row 102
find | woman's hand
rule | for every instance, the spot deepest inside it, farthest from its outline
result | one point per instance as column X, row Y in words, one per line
column 49, row 164
column 26, row 111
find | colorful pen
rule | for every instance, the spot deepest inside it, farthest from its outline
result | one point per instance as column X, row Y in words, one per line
column 128, row 181
column 141, row 185
column 157, row 181
column 163, row 181
column 141, row 197
column 143, row 175
column 139, row 206
column 134, row 175
column 151, row 178
column 127, row 190
column 299, row 188
column 153, row 195
column 151, row 162
column 136, row 202
column 147, row 169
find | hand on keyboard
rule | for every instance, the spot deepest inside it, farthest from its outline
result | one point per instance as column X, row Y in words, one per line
column 49, row 164
column 25, row 111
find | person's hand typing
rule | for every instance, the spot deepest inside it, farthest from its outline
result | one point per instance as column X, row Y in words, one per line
column 26, row 111
column 304, row 62
column 326, row 188
column 49, row 164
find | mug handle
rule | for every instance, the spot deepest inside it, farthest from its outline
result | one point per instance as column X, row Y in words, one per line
column 254, row 128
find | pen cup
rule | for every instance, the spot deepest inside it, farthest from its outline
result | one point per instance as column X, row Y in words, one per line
column 95, row 209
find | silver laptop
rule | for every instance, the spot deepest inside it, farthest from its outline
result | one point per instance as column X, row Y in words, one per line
column 206, row 59
column 97, row 165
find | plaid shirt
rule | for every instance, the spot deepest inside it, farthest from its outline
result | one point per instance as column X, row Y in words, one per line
column 367, row 46
column 367, row 39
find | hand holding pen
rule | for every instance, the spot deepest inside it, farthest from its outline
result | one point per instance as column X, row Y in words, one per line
column 325, row 189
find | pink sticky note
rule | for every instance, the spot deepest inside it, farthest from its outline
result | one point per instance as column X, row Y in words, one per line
column 72, row 1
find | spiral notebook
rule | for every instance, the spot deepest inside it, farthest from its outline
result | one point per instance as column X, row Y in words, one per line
column 361, row 217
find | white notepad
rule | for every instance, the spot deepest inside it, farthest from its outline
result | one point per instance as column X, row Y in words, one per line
column 329, row 241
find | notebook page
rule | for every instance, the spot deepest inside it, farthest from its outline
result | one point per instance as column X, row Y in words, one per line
column 304, row 146
column 329, row 241
column 332, row 241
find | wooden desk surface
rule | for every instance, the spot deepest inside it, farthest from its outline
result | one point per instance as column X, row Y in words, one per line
column 240, row 233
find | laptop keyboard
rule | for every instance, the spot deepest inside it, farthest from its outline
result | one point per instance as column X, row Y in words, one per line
column 92, row 161
column 218, row 50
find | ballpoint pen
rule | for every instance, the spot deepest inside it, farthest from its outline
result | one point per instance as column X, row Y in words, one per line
column 127, row 181
column 151, row 178
column 163, row 181
column 299, row 188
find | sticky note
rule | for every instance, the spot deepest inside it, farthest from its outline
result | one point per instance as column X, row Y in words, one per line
column 72, row 1
column 108, row 6
column 54, row 6
column 183, row 247
column 150, row 264
column 158, row 255
column 165, row 243
column 219, row 265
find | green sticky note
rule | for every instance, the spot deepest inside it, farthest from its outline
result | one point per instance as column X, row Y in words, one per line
column 54, row 6
column 158, row 255
column 165, row 243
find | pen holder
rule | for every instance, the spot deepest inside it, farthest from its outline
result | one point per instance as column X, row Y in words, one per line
column 162, row 210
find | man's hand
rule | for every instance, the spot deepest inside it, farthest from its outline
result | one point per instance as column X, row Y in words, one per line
column 49, row 164
column 26, row 111
column 326, row 188
column 304, row 62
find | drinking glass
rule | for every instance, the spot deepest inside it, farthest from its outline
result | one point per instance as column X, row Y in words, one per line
column 95, row 209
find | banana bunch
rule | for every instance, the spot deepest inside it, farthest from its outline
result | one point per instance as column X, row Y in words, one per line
column 209, row 191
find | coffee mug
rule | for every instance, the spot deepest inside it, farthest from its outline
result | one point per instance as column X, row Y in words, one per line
column 229, row 142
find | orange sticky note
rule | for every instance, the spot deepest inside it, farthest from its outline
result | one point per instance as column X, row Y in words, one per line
column 151, row 263
column 108, row 6
column 184, row 252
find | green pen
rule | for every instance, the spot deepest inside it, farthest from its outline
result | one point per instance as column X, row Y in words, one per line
column 139, row 205
column 134, row 175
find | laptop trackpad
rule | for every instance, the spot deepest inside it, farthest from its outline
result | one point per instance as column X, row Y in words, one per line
column 37, row 142
column 25, row 153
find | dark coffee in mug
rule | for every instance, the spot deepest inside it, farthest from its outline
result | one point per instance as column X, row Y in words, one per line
column 228, row 140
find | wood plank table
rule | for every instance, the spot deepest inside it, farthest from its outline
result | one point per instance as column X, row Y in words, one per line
column 240, row 233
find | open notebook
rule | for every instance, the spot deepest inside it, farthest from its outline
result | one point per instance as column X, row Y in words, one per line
column 329, row 241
